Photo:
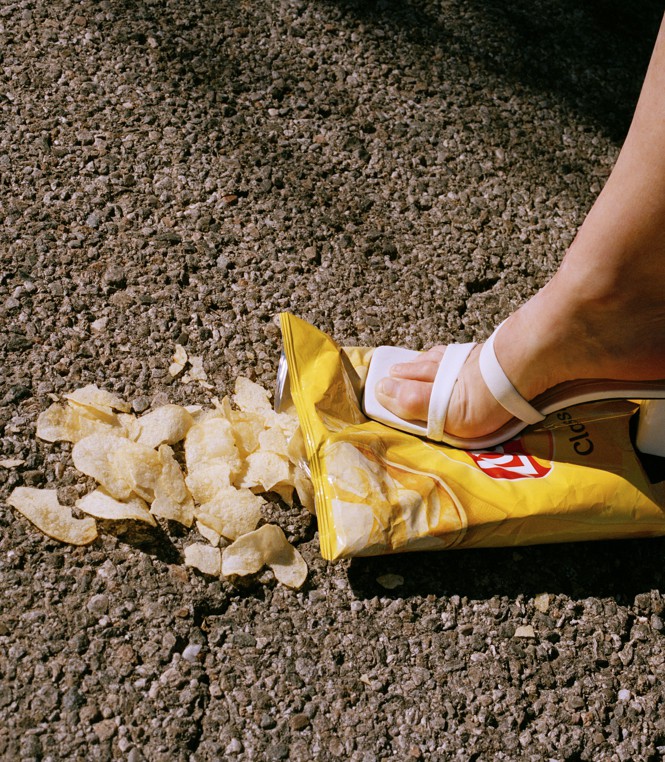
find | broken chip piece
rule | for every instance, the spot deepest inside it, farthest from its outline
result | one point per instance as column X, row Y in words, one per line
column 41, row 507
column 179, row 360
column 101, row 505
column 203, row 557
column 266, row 546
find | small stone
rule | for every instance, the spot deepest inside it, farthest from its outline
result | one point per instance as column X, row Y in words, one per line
column 624, row 695
column 234, row 746
column 191, row 652
column 542, row 602
column 99, row 325
column 229, row 199
column 115, row 277
column 525, row 631
column 140, row 404
column 656, row 623
column 415, row 752
column 104, row 729
column 98, row 604
column 299, row 722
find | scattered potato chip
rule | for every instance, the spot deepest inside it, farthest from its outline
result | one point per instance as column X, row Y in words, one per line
column 41, row 507
column 232, row 512
column 165, row 425
column 140, row 467
column 209, row 441
column 273, row 440
column 92, row 456
column 206, row 480
column 179, row 360
column 250, row 397
column 206, row 559
column 266, row 470
column 172, row 499
column 101, row 505
column 166, row 507
column 196, row 373
column 208, row 534
column 97, row 403
column 227, row 452
column 265, row 546
column 305, row 489
column 130, row 425
column 63, row 423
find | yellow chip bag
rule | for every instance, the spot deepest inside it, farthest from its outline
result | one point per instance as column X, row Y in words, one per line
column 575, row 476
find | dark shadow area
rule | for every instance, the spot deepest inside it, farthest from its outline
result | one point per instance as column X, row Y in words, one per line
column 590, row 56
column 617, row 569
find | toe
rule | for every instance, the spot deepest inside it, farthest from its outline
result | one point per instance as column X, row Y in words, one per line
column 422, row 369
column 407, row 399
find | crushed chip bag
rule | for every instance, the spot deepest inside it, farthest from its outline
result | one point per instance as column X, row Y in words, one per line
column 41, row 507
column 574, row 477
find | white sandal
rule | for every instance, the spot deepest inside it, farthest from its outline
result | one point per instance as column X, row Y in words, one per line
column 651, row 431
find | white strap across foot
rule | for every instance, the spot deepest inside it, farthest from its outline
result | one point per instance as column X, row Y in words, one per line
column 494, row 377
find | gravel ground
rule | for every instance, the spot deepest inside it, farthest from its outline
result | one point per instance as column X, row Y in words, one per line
column 404, row 171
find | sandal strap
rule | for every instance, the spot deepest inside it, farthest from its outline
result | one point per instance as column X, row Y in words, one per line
column 453, row 359
column 501, row 388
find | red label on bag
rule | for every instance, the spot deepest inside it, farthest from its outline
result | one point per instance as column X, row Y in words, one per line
column 510, row 461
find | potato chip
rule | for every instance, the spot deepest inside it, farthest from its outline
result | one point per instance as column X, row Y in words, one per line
column 165, row 425
column 165, row 507
column 206, row 559
column 140, row 467
column 265, row 546
column 205, row 481
column 97, row 403
column 232, row 512
column 63, row 423
column 41, row 507
column 285, row 492
column 172, row 499
column 265, row 470
column 179, row 360
column 273, row 440
column 247, row 428
column 208, row 534
column 196, row 373
column 296, row 449
column 129, row 425
column 209, row 441
column 250, row 397
column 305, row 489
column 101, row 505
column 171, row 480
column 92, row 456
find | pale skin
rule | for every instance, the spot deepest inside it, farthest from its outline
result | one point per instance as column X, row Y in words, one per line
column 601, row 316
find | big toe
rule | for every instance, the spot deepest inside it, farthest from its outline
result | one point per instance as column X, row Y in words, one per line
column 407, row 399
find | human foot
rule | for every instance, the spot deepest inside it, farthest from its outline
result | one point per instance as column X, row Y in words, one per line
column 562, row 334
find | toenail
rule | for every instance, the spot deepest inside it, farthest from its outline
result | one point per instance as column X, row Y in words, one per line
column 387, row 387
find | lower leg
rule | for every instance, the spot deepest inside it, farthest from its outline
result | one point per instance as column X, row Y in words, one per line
column 603, row 313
